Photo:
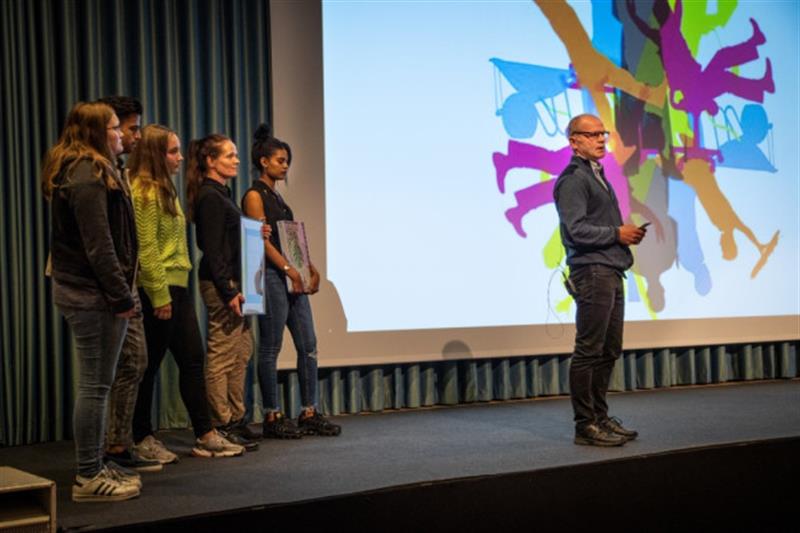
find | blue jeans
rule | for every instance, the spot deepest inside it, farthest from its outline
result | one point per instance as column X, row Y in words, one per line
column 598, row 340
column 98, row 341
column 292, row 311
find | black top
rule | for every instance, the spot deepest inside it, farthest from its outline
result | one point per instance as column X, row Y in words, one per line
column 590, row 216
column 275, row 209
column 93, row 241
column 218, row 222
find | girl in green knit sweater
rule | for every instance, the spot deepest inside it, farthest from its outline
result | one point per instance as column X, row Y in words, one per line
column 169, row 317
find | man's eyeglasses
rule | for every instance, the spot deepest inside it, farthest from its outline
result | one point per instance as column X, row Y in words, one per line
column 592, row 134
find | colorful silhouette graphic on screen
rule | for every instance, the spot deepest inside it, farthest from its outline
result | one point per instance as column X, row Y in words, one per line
column 694, row 88
column 743, row 152
column 656, row 102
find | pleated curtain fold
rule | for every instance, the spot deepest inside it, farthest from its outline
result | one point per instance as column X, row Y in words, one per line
column 197, row 66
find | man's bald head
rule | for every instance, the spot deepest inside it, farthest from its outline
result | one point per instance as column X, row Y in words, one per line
column 587, row 137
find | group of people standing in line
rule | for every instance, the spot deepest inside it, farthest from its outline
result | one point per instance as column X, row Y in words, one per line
column 120, row 268
column 120, row 274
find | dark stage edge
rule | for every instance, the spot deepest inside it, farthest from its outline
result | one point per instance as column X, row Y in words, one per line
column 707, row 457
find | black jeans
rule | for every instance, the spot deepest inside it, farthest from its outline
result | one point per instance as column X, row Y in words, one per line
column 181, row 335
column 598, row 340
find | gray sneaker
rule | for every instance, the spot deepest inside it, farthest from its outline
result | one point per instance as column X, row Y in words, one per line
column 154, row 450
column 216, row 446
column 104, row 487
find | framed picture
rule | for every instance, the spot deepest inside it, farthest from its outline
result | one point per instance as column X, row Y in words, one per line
column 253, row 273
column 294, row 246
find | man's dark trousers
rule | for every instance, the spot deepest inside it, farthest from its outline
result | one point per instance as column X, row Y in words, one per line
column 598, row 339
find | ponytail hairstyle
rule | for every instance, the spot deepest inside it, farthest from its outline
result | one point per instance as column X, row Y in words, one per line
column 197, row 168
column 265, row 145
column 148, row 165
column 85, row 136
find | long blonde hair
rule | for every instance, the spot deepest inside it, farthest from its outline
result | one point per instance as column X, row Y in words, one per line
column 84, row 136
column 148, row 165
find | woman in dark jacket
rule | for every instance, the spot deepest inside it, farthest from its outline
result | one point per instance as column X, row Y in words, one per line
column 212, row 162
column 169, row 317
column 93, row 254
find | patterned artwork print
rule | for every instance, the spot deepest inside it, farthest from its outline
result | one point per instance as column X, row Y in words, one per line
column 639, row 73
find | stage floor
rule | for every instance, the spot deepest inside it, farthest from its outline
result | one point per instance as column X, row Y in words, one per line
column 418, row 446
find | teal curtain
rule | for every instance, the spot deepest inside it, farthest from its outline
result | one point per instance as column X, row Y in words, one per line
column 197, row 66
column 403, row 386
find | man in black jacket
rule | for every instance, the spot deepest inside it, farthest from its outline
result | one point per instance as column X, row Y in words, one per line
column 133, row 358
column 597, row 243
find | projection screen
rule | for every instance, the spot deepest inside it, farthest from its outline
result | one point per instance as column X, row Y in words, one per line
column 426, row 137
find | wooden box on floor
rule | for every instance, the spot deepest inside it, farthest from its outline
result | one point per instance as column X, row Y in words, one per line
column 27, row 502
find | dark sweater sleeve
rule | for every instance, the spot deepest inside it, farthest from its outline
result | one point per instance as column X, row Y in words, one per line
column 210, row 222
column 572, row 200
column 89, row 203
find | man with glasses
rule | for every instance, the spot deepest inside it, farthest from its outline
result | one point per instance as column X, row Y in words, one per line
column 597, row 242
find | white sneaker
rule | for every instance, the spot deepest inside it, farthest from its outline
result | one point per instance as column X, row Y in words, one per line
column 154, row 450
column 216, row 446
column 104, row 487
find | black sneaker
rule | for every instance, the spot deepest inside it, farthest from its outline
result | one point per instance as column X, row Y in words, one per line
column 123, row 474
column 281, row 428
column 232, row 435
column 241, row 427
column 614, row 425
column 316, row 424
column 131, row 459
column 593, row 435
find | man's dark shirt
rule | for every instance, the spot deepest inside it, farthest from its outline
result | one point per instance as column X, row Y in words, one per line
column 590, row 218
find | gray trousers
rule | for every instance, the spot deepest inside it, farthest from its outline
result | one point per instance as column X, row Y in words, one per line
column 130, row 369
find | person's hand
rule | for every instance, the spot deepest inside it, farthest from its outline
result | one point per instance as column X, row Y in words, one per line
column 297, row 281
column 630, row 234
column 130, row 313
column 164, row 312
column 235, row 304
column 266, row 229
column 314, row 281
